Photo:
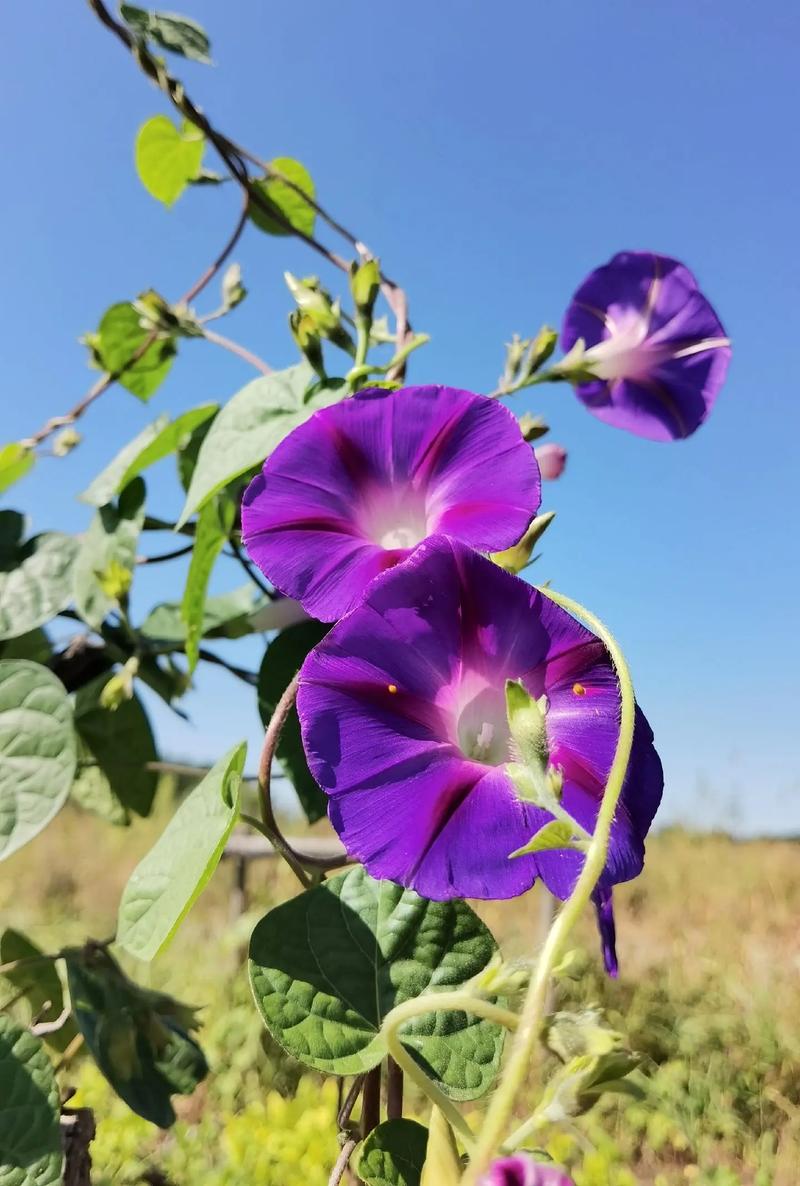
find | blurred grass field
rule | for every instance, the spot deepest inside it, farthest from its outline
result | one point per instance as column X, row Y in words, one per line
column 709, row 942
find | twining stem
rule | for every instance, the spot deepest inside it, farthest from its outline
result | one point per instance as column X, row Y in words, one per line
column 235, row 157
column 342, row 1162
column 501, row 1107
column 234, row 348
column 268, row 825
column 394, row 1090
column 431, row 1002
column 111, row 377
column 371, row 1101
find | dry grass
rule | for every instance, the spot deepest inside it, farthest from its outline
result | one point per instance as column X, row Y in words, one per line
column 709, row 942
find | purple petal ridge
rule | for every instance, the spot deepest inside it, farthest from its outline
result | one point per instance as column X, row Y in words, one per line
column 352, row 491
column 402, row 709
column 655, row 343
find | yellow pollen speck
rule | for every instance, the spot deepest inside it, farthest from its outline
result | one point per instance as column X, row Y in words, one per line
column 392, row 688
column 579, row 689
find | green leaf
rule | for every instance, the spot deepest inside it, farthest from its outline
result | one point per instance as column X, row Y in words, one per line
column 15, row 461
column 107, row 556
column 35, row 578
column 327, row 966
column 34, row 644
column 557, row 834
column 37, row 751
column 225, row 616
column 41, row 984
column 12, row 531
column 119, row 744
column 168, row 158
column 393, row 1154
column 178, row 34
column 138, row 1038
column 30, row 1135
column 119, row 337
column 282, row 660
column 153, row 443
column 288, row 204
column 168, row 880
column 213, row 528
column 249, row 427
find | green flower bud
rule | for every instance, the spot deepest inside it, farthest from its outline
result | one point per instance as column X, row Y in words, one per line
column 516, row 558
column 365, row 284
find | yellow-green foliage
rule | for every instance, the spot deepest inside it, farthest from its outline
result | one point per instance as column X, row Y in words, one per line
column 273, row 1140
column 709, row 942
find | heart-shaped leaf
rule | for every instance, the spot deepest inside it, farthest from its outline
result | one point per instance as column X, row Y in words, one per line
column 116, row 746
column 288, row 204
column 154, row 442
column 37, row 751
column 35, row 578
column 40, row 982
column 226, row 616
column 178, row 34
column 393, row 1154
column 15, row 461
column 30, row 1137
column 117, row 342
column 139, row 1039
column 169, row 879
column 249, row 427
column 105, row 562
column 168, row 158
column 327, row 966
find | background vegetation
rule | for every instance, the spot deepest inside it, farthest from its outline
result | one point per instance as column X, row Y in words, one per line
column 711, row 954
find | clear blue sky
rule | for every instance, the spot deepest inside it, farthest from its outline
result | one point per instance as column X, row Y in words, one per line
column 492, row 154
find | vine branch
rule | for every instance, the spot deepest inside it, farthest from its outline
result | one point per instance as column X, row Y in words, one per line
column 111, row 377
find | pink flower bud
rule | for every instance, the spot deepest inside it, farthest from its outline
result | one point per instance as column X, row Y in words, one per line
column 552, row 460
column 521, row 1170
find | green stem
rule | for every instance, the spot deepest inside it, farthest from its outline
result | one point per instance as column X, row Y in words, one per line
column 434, row 1002
column 530, row 1022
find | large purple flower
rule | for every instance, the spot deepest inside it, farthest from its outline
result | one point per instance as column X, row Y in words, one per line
column 656, row 347
column 351, row 492
column 522, row 1170
column 403, row 713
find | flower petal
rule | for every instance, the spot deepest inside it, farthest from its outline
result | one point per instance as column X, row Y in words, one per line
column 350, row 492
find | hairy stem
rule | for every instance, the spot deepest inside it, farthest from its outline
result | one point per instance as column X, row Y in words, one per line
column 429, row 1003
column 298, row 861
column 342, row 1162
column 211, row 335
column 501, row 1107
column 110, row 378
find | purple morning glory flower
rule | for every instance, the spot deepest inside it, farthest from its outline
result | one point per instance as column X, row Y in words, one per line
column 522, row 1170
column 351, row 492
column 657, row 349
column 403, row 714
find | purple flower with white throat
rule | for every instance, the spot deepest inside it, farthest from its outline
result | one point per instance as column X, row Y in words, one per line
column 403, row 713
column 656, row 353
column 522, row 1170
column 350, row 493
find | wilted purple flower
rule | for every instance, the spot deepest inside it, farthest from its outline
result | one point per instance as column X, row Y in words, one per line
column 351, row 492
column 522, row 1170
column 552, row 460
column 403, row 713
column 656, row 347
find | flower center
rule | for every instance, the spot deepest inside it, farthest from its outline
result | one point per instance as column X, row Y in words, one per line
column 394, row 517
column 482, row 726
column 626, row 353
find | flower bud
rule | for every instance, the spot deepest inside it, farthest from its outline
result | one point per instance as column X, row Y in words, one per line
column 522, row 1170
column 365, row 284
column 552, row 459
